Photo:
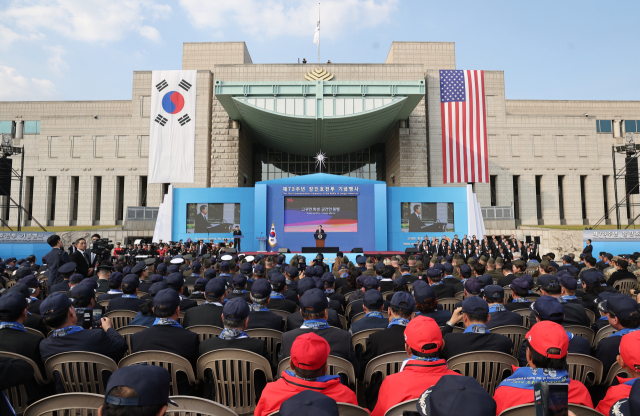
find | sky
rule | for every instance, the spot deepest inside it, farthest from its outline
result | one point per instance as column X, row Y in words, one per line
column 87, row 49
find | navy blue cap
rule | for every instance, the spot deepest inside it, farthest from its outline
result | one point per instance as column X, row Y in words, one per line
column 319, row 282
column 620, row 305
column 30, row 281
column 291, row 271
column 361, row 259
column 433, row 272
column 520, row 284
column 126, row 270
column 313, row 301
column 84, row 292
column 405, row 267
column 456, row 395
column 278, row 281
column 492, row 292
column 175, row 279
column 131, row 280
column 305, row 284
column 261, row 288
column 151, row 384
column 216, row 287
column 161, row 268
column 309, row 403
column 139, row 267
column 310, row 271
column 422, row 291
column 373, row 299
column 529, row 279
column 22, row 272
column 210, row 273
column 19, row 287
column 592, row 277
column 548, row 308
column 157, row 287
column 167, row 298
column 76, row 278
column 174, row 268
column 89, row 282
column 13, row 303
column 329, row 278
column 379, row 266
column 115, row 277
column 259, row 270
column 239, row 280
column 448, row 258
column 345, row 266
column 236, row 310
column 155, row 278
column 473, row 286
column 403, row 300
column 53, row 304
column 568, row 282
column 67, row 268
column 398, row 282
column 439, row 266
column 370, row 282
column 319, row 270
column 548, row 280
column 485, row 280
column 476, row 305
column 196, row 265
column 448, row 268
column 224, row 265
column 246, row 268
column 465, row 271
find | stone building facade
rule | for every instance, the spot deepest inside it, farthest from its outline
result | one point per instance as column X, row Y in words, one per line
column 86, row 161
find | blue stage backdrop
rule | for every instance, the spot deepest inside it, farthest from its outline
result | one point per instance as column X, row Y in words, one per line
column 24, row 244
column 354, row 213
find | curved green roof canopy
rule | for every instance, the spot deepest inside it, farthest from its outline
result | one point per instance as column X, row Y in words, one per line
column 305, row 117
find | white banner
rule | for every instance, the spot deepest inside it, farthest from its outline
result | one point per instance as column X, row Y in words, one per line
column 173, row 127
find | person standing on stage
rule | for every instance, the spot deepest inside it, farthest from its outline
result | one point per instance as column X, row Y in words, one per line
column 236, row 241
column 320, row 230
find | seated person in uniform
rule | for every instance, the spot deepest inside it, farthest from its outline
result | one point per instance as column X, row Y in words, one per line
column 457, row 395
column 547, row 308
column 574, row 313
column 434, row 278
column 239, row 286
column 476, row 337
column 260, row 316
column 295, row 320
column 500, row 316
column 427, row 303
column 420, row 371
column 373, row 306
column 547, row 359
column 66, row 270
column 198, row 289
column 129, row 300
column 176, row 282
column 368, row 283
column 166, row 334
column 145, row 316
column 278, row 299
column 115, row 287
column 210, row 312
column 519, row 292
column 623, row 315
column 629, row 360
column 329, row 281
column 58, row 313
column 308, row 363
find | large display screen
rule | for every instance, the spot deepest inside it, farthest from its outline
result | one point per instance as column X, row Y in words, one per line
column 418, row 217
column 204, row 217
column 336, row 214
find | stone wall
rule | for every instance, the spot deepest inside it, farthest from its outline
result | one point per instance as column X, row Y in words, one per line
column 560, row 242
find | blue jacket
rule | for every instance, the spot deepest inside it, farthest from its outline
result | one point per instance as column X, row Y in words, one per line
column 55, row 258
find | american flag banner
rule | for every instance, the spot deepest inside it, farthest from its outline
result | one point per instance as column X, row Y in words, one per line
column 464, row 126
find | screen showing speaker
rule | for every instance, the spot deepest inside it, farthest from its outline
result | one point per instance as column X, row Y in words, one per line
column 336, row 214
column 420, row 217
column 204, row 217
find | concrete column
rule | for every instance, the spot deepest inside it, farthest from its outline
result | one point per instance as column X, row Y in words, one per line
column 616, row 128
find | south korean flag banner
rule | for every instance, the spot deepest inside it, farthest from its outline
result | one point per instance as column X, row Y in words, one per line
column 172, row 127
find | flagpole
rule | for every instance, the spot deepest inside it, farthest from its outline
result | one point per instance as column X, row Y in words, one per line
column 318, row 33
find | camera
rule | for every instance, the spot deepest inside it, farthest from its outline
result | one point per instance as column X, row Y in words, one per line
column 100, row 245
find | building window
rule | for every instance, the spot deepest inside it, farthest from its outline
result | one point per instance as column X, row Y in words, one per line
column 7, row 127
column 120, row 198
column 53, row 182
column 143, row 191
column 604, row 126
column 97, row 197
column 493, row 184
column 539, row 196
column 605, row 193
column 516, row 197
column 75, row 188
column 561, row 196
column 583, row 195
column 631, row 126
column 32, row 127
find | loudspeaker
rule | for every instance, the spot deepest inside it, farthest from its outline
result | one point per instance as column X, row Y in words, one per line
column 231, row 251
column 536, row 239
column 411, row 250
column 631, row 177
column 284, row 250
column 5, row 176
column 357, row 250
column 527, row 239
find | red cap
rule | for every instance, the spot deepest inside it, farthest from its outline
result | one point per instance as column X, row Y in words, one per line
column 421, row 331
column 629, row 350
column 545, row 335
column 309, row 351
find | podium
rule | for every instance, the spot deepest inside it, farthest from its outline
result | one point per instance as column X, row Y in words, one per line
column 262, row 241
column 320, row 239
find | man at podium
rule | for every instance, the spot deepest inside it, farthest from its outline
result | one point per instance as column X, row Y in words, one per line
column 320, row 236
column 236, row 241
column 320, row 230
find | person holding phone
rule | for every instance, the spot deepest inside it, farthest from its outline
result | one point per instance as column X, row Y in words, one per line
column 548, row 344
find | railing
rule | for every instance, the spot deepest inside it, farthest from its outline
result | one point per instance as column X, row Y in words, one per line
column 142, row 213
column 497, row 213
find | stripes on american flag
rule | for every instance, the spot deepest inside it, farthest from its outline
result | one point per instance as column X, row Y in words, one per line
column 464, row 126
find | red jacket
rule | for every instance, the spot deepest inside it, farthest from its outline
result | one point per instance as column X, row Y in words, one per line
column 614, row 394
column 280, row 390
column 507, row 396
column 410, row 383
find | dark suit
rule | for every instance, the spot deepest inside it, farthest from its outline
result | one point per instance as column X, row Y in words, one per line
column 255, row 345
column 283, row 305
column 201, row 224
column 358, row 306
column 82, row 264
column 125, row 304
column 186, row 304
column 27, row 345
column 440, row 316
column 369, row 323
column 55, row 258
column 501, row 318
column 265, row 319
column 170, row 339
column 444, row 291
column 506, row 280
column 203, row 315
column 237, row 241
column 295, row 321
column 59, row 287
column 588, row 249
column 608, row 350
column 415, row 223
column 574, row 314
column 459, row 343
